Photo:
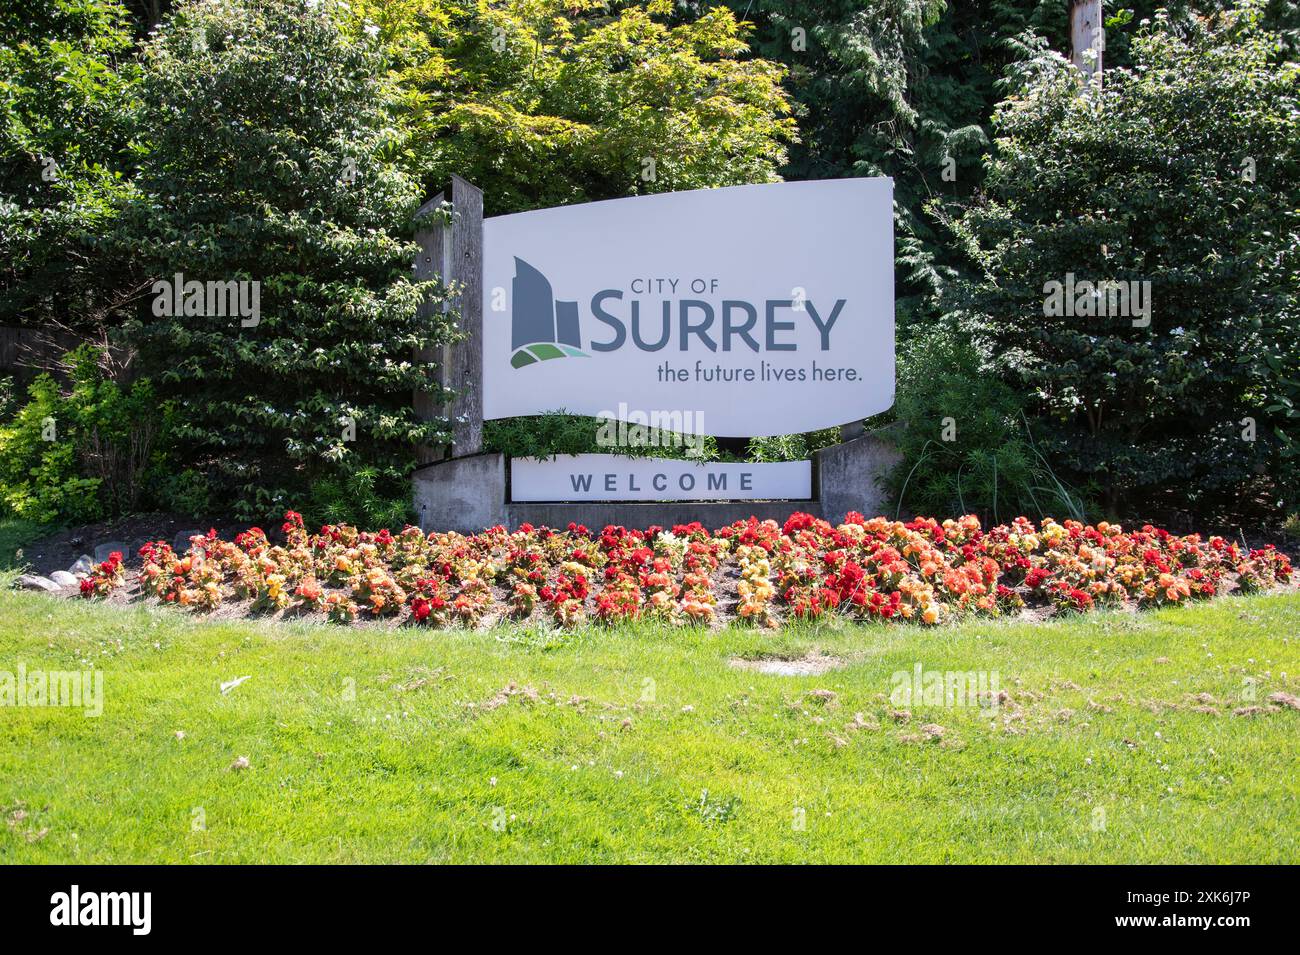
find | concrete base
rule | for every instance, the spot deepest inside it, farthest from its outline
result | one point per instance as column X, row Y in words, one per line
column 469, row 494
column 849, row 475
column 464, row 494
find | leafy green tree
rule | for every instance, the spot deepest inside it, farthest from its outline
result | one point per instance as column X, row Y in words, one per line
column 550, row 102
column 269, row 141
column 67, row 86
column 1182, row 172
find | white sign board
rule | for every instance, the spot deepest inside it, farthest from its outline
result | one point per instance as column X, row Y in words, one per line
column 612, row 477
column 755, row 310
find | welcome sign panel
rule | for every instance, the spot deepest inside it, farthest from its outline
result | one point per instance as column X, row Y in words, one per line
column 754, row 310
column 610, row 477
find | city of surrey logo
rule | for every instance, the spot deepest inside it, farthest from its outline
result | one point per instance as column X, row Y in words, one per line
column 541, row 328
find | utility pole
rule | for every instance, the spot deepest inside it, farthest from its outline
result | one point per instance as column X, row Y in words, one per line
column 1087, row 38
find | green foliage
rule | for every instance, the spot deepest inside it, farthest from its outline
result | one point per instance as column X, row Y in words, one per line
column 8, row 397
column 288, row 142
column 269, row 144
column 965, row 444
column 1146, row 181
column 67, row 86
column 356, row 496
column 550, row 102
column 541, row 436
column 184, row 491
column 557, row 432
column 39, row 479
column 790, row 447
column 77, row 456
column 908, row 88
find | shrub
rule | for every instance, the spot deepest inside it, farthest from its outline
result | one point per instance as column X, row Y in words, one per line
column 74, row 457
column 184, row 491
column 790, row 447
column 964, row 440
column 541, row 436
column 1183, row 172
column 269, row 143
column 353, row 497
column 557, row 432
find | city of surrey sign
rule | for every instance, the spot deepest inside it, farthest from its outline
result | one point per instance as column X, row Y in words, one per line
column 750, row 310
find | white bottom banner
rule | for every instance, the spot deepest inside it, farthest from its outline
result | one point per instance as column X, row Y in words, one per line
column 612, row 477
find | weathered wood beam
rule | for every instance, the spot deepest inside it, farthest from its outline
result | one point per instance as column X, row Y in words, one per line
column 433, row 239
column 465, row 369
column 454, row 253
column 1087, row 38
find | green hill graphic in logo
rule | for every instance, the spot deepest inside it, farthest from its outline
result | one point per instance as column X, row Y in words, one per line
column 540, row 327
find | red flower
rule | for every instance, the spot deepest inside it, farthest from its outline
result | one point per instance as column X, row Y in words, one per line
column 1037, row 577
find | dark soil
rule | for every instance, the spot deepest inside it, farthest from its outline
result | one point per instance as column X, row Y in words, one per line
column 60, row 550
column 1252, row 518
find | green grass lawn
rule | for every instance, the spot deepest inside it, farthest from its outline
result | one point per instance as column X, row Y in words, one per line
column 644, row 745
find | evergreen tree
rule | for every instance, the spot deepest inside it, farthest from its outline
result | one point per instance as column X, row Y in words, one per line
column 269, row 144
column 1182, row 173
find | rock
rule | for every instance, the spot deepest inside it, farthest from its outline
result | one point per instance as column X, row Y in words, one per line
column 63, row 578
column 181, row 542
column 36, row 582
column 103, row 550
column 84, row 565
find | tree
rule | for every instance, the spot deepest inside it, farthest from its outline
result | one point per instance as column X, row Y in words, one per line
column 1184, row 174
column 67, row 84
column 550, row 102
column 268, row 142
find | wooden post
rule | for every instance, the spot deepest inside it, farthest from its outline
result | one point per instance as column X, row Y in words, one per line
column 432, row 238
column 454, row 253
column 465, row 370
column 1087, row 38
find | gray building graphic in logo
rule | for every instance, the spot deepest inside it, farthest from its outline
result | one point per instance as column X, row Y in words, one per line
column 540, row 327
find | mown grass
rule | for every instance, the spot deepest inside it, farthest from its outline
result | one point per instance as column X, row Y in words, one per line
column 363, row 745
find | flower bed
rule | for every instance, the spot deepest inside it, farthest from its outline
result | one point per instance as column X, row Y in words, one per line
column 752, row 571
